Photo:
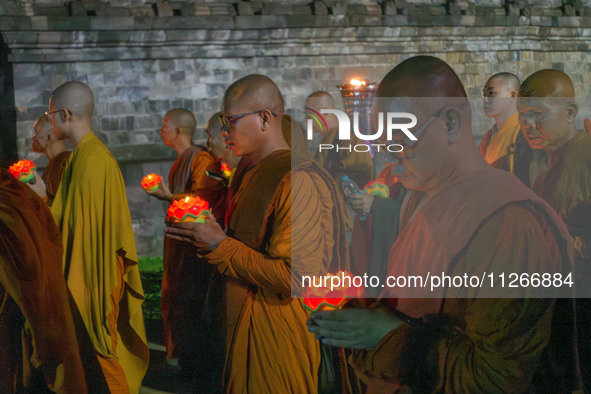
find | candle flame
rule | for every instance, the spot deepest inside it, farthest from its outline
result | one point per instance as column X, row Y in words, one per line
column 357, row 82
column 187, row 199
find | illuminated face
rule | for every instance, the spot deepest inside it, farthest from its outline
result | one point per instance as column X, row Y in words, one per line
column 168, row 131
column 215, row 141
column 497, row 97
column 40, row 137
column 241, row 133
column 419, row 170
column 57, row 120
column 544, row 121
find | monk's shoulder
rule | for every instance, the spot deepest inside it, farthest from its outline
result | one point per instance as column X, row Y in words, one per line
column 577, row 155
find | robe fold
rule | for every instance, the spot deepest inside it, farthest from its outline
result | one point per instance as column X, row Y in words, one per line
column 32, row 287
column 484, row 221
column 99, row 262
column 52, row 176
column 269, row 349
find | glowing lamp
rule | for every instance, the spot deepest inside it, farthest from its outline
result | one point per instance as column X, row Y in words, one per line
column 23, row 170
column 226, row 171
column 151, row 182
column 188, row 209
column 377, row 189
column 331, row 297
column 357, row 82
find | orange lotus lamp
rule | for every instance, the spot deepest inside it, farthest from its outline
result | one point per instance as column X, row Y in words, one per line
column 151, row 182
column 377, row 189
column 23, row 170
column 226, row 171
column 188, row 209
column 327, row 298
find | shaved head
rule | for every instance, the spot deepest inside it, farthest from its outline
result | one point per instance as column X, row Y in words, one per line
column 183, row 119
column 42, row 127
column 76, row 97
column 508, row 79
column 255, row 92
column 547, row 83
column 320, row 99
column 421, row 76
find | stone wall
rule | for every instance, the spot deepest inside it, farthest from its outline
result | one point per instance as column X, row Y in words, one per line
column 143, row 58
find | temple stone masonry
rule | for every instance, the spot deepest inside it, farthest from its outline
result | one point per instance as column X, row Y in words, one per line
column 142, row 58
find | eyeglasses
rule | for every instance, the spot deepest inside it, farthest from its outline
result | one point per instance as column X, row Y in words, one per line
column 49, row 113
column 225, row 120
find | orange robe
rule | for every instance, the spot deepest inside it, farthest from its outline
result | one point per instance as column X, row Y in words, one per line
column 507, row 149
column 187, row 278
column 294, row 136
column 458, row 341
column 567, row 188
column 32, row 287
column 52, row 176
column 269, row 348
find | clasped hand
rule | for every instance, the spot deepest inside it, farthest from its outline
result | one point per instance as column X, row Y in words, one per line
column 204, row 236
column 357, row 328
column 361, row 203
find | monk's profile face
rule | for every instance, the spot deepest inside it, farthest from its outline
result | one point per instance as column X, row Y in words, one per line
column 41, row 136
column 57, row 119
column 215, row 141
column 168, row 131
column 544, row 121
column 243, row 133
column 497, row 97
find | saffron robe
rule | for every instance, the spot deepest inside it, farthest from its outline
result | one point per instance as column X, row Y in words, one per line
column 99, row 263
column 269, row 348
column 469, row 344
column 32, row 287
column 507, row 149
column 52, row 176
column 186, row 277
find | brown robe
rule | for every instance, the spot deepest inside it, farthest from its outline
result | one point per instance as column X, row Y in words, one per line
column 33, row 296
column 186, row 277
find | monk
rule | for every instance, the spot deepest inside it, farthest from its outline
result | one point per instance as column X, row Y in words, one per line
column 33, row 298
column 217, row 145
column 503, row 146
column 44, row 141
column 186, row 277
column 357, row 165
column 547, row 111
column 295, row 137
column 90, row 209
column 471, row 217
column 268, row 348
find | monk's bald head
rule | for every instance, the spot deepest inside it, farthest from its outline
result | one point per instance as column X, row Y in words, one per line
column 320, row 99
column 76, row 97
column 255, row 92
column 42, row 126
column 214, row 126
column 547, row 83
column 509, row 80
column 421, row 76
column 183, row 119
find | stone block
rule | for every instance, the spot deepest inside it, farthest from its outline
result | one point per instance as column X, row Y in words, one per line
column 277, row 9
column 338, row 8
column 319, row 8
column 245, row 8
column 163, row 8
column 142, row 11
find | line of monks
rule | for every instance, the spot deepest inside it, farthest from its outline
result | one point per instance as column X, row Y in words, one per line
column 70, row 292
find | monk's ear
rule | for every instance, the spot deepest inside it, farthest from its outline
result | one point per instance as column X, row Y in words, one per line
column 266, row 118
column 453, row 124
column 572, row 111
